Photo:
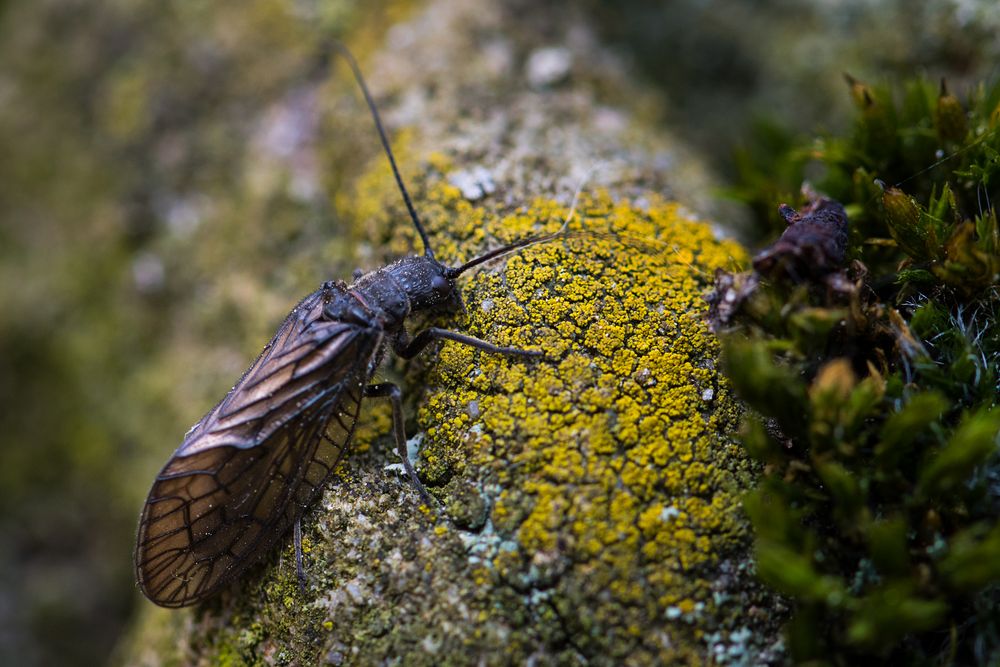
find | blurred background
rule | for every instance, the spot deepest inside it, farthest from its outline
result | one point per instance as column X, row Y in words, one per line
column 167, row 191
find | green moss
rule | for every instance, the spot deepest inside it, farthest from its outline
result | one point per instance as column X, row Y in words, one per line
column 879, row 386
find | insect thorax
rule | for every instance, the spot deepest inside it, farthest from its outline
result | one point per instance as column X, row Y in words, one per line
column 390, row 294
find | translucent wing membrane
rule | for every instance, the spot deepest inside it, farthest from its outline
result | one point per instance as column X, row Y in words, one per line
column 245, row 472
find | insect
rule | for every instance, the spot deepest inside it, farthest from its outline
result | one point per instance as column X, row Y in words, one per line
column 244, row 474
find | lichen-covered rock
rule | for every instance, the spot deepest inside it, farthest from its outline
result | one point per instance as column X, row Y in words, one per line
column 587, row 503
column 589, row 500
column 609, row 486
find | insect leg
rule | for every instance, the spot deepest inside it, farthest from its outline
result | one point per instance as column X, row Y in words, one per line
column 407, row 349
column 299, row 570
column 391, row 391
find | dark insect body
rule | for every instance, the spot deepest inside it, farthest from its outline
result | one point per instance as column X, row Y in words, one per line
column 245, row 473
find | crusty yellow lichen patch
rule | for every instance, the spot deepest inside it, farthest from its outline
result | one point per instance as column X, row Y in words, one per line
column 614, row 446
column 607, row 464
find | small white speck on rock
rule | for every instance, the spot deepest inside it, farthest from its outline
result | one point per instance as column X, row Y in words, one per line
column 668, row 514
column 548, row 66
column 355, row 592
column 430, row 644
column 475, row 182
column 708, row 394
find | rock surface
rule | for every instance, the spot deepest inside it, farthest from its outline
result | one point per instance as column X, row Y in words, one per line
column 589, row 501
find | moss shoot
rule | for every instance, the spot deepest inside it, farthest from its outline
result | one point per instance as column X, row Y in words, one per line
column 876, row 388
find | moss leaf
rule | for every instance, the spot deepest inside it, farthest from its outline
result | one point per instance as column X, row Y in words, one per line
column 973, row 560
column 973, row 443
column 882, row 618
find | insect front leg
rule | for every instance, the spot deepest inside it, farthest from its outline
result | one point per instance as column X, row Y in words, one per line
column 392, row 392
column 409, row 348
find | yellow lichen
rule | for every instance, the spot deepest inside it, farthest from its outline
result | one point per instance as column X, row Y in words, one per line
column 612, row 451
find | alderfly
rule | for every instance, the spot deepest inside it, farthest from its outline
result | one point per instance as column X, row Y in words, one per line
column 244, row 474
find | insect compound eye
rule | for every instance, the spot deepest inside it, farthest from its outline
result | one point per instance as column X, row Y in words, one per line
column 440, row 285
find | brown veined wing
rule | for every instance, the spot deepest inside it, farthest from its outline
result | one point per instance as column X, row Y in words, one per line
column 245, row 472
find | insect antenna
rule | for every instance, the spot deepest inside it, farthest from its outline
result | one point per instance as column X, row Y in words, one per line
column 340, row 49
column 500, row 252
column 531, row 240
